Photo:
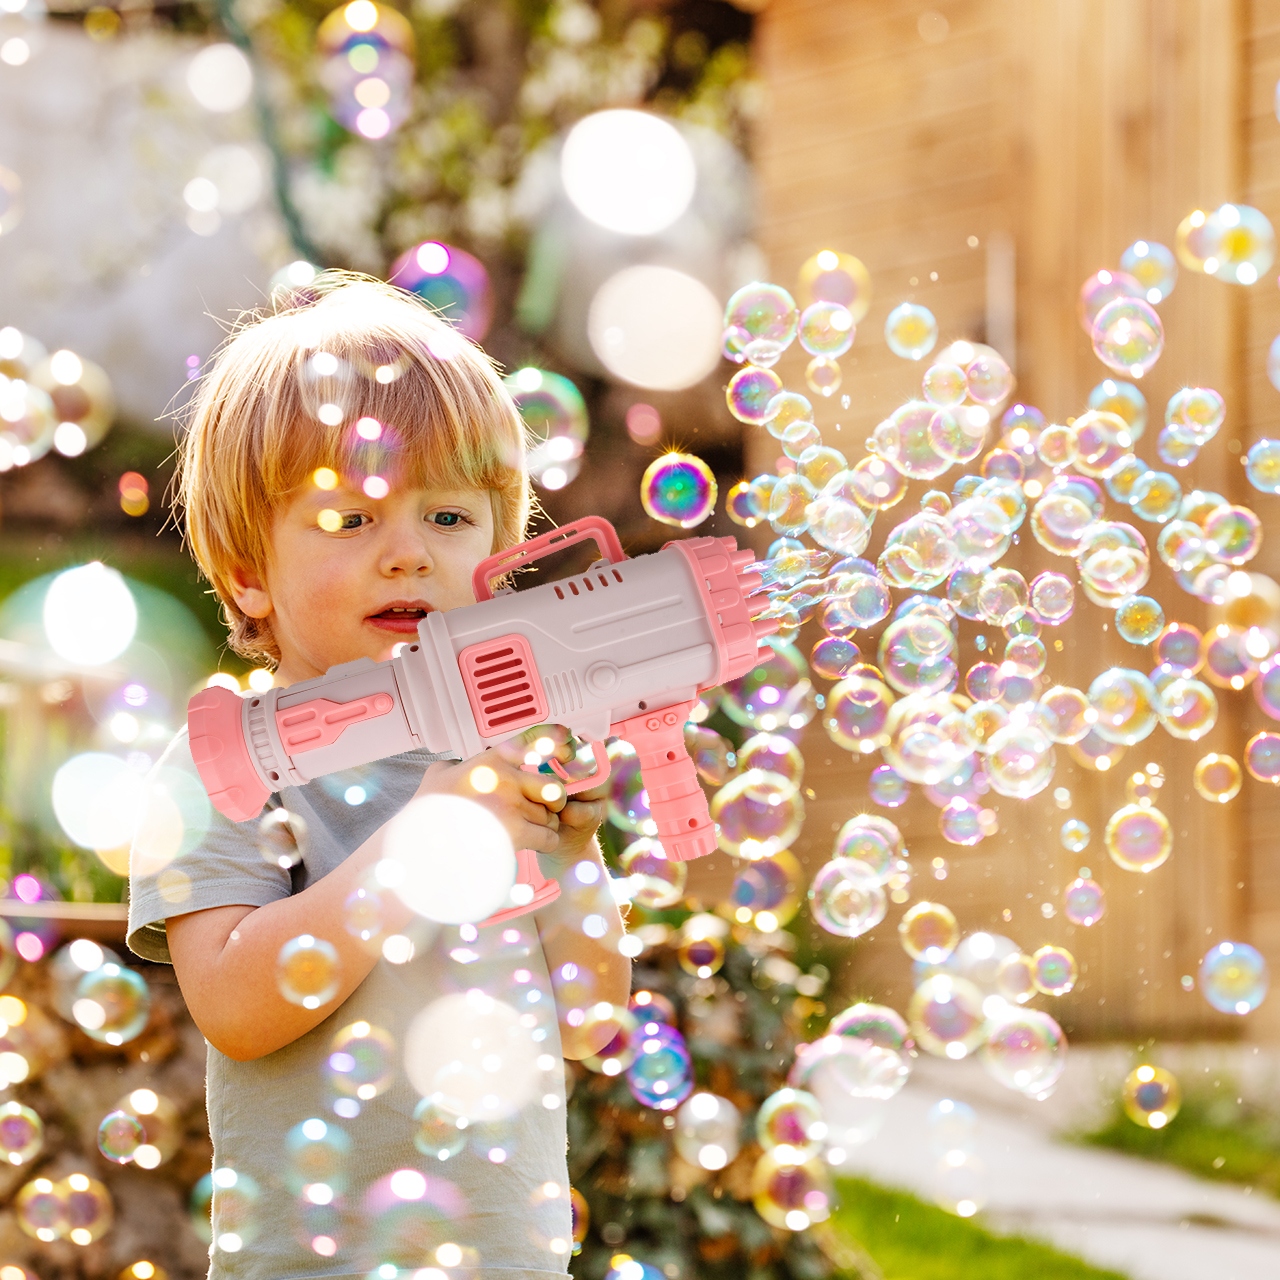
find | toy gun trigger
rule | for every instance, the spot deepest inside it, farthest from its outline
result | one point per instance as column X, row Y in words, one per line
column 573, row 785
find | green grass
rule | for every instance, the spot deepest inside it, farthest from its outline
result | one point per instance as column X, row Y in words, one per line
column 911, row 1240
column 1210, row 1138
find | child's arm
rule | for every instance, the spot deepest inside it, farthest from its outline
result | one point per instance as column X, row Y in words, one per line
column 225, row 957
column 581, row 930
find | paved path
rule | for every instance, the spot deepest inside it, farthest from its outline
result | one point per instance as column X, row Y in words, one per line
column 1147, row 1220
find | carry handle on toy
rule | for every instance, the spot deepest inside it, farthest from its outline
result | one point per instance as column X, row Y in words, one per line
column 595, row 528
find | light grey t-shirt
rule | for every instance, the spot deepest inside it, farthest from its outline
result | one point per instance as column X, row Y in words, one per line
column 500, row 1206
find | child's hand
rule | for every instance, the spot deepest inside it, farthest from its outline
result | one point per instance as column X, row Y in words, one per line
column 527, row 804
column 579, row 820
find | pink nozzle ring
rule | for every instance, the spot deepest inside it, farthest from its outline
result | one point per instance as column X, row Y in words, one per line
column 219, row 751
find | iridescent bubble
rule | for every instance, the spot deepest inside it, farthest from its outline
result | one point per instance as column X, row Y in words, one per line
column 822, row 376
column 836, row 521
column 877, row 485
column 911, row 331
column 1020, row 760
column 874, row 841
column 581, row 1214
column 791, row 1118
column 944, row 385
column 766, row 892
column 1138, row 838
column 661, row 1074
column 961, row 822
column 282, row 838
column 768, row 315
column 1057, row 447
column 1155, row 496
column 1052, row 598
column 1125, row 401
column 831, row 276
column 1232, row 534
column 875, row 1023
column 1181, row 544
column 826, row 329
column 1126, row 705
column 1128, row 336
column 740, row 505
column 316, row 1153
column 628, row 802
column 833, row 657
column 1244, row 245
column 1059, row 521
column 1075, row 835
column 1217, row 778
column 707, row 1128
column 451, row 281
column 1262, row 466
column 112, row 1004
column 361, row 1062
column 41, row 1209
column 1151, row 1096
column 1262, row 757
column 622, row 1026
column 1084, row 902
column 701, row 951
column 946, row 1016
column 678, row 489
column 798, row 438
column 1139, row 619
column 1153, row 266
column 119, row 1136
column 308, row 971
column 1195, row 414
column 1015, row 978
column 655, row 881
column 1054, row 970
column 775, row 694
column 1025, row 1050
column 1227, row 660
column 1189, row 709
column 789, row 505
column 758, row 814
column 917, row 654
column 928, row 931
column 1234, row 977
column 849, row 1066
column 989, row 378
column 887, row 788
column 1179, row 645
column 846, row 897
column 857, row 713
column 750, row 393
column 1174, row 450
column 711, row 754
column 820, row 464
column 789, row 1191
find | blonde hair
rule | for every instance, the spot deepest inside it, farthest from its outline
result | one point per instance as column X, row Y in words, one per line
column 287, row 394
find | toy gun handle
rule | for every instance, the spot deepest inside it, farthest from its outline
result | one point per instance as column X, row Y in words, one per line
column 677, row 802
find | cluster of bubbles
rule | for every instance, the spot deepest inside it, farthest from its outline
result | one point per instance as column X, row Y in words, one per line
column 56, row 401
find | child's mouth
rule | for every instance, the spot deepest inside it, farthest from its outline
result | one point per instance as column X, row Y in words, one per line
column 403, row 621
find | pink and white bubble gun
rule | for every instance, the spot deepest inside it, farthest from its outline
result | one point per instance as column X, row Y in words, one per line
column 622, row 649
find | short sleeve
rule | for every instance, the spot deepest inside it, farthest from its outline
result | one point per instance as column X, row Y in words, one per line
column 188, row 857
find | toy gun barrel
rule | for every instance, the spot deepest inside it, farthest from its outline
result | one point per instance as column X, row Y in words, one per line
column 621, row 649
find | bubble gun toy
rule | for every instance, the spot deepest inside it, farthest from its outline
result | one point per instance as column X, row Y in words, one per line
column 622, row 649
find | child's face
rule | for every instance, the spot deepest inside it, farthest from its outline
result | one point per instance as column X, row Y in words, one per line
column 355, row 591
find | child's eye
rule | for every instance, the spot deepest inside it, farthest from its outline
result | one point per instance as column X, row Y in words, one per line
column 447, row 519
column 340, row 521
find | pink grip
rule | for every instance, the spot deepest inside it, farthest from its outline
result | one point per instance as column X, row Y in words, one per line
column 320, row 722
column 676, row 799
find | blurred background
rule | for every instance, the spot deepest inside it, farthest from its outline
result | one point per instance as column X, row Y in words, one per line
column 582, row 187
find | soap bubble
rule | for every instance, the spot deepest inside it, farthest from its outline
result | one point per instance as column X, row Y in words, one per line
column 989, row 377
column 928, row 932
column 847, row 898
column 826, row 329
column 1053, row 971
column 1179, row 646
column 836, row 521
column 1126, row 705
column 317, row 1154
column 1138, row 838
column 767, row 890
column 1174, row 450
column 1101, row 288
column 89, row 1210
column 953, row 1126
column 789, row 504
column 1232, row 534
column 1052, row 598
column 1155, row 496
column 21, row 1133
column 1262, row 466
column 830, row 276
column 944, row 385
column 1217, row 778
column 876, row 484
column 308, row 971
column 872, row 840
column 772, row 753
column 837, row 1066
column 1262, row 757
column 439, row 1134
column 785, row 409
column 1189, row 709
column 654, row 880
column 112, row 1004
column 455, row 283
column 706, row 1133
column 1244, row 244
column 774, row 694
column 791, row 1118
column 361, row 1062
column 1125, row 401
column 875, row 1023
column 282, row 838
column 120, row 1135
column 832, row 657
column 822, row 376
column 1194, row 414
column 1083, row 901
column 1059, row 520
column 1153, row 266
column 1020, row 760
column 1227, row 660
column 887, row 788
column 661, row 1076
column 1025, row 1050
column 1128, row 336
column 701, row 953
column 946, row 1016
column 1074, row 835
column 1151, row 1096
column 750, row 393
column 857, row 713
column 1015, row 978
column 678, row 489
column 758, row 813
column 740, row 505
column 789, row 1191
column 41, row 1209
column 1234, row 977
column 911, row 331
column 767, row 314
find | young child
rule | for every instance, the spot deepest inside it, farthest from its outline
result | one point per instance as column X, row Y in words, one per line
column 349, row 461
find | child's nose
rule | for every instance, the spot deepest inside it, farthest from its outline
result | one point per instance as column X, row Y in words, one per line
column 406, row 552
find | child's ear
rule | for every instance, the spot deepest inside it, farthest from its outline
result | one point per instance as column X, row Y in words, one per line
column 250, row 593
